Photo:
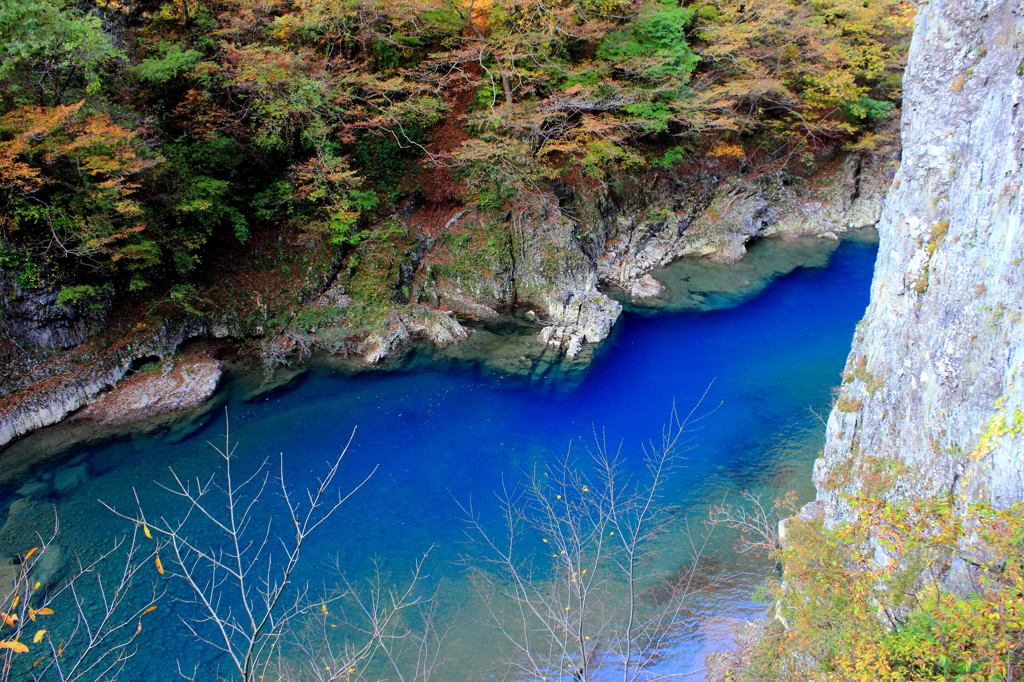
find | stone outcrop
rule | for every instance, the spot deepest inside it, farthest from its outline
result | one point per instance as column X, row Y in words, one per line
column 846, row 196
column 68, row 389
column 34, row 317
column 562, row 252
column 544, row 266
column 440, row 329
column 580, row 317
column 934, row 389
column 182, row 382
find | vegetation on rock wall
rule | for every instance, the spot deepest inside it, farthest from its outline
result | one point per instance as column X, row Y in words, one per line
column 867, row 601
column 142, row 143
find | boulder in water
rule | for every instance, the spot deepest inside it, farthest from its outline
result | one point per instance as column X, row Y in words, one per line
column 33, row 487
column 67, row 478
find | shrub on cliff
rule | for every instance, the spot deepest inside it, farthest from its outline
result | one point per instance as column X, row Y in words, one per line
column 872, row 599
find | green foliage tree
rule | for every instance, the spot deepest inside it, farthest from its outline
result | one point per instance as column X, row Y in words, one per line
column 50, row 50
column 169, row 65
column 653, row 45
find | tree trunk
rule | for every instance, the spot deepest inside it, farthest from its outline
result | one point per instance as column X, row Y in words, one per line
column 506, row 85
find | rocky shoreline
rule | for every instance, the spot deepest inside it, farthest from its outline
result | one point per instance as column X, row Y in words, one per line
column 560, row 275
column 86, row 379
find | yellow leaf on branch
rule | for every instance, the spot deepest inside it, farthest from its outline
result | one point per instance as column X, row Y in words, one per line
column 14, row 645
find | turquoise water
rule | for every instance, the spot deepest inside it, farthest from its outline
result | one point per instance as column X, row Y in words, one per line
column 442, row 432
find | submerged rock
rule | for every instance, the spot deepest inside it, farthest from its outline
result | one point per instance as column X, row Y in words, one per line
column 69, row 477
column 33, row 487
column 707, row 284
column 50, row 565
column 646, row 287
column 23, row 513
column 8, row 575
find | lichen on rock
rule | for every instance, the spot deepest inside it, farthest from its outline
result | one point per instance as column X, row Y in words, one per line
column 940, row 351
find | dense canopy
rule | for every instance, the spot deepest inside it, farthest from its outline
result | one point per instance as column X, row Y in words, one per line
column 138, row 140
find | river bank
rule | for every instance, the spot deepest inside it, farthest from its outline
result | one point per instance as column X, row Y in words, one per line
column 565, row 278
column 177, row 394
column 442, row 429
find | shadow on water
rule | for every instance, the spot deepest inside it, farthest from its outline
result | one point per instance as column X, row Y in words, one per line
column 453, row 425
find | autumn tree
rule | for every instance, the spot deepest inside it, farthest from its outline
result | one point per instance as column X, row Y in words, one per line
column 140, row 145
column 799, row 73
column 70, row 177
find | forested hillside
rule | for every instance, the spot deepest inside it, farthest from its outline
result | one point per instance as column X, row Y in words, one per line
column 149, row 152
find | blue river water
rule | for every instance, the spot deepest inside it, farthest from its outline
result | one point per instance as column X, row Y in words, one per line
column 439, row 433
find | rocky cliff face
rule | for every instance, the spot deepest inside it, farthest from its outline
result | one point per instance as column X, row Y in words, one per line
column 562, row 253
column 35, row 318
column 706, row 218
column 933, row 398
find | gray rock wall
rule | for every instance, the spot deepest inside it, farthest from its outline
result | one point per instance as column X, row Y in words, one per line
column 33, row 317
column 934, row 390
column 718, row 223
column 64, row 395
column 566, row 253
